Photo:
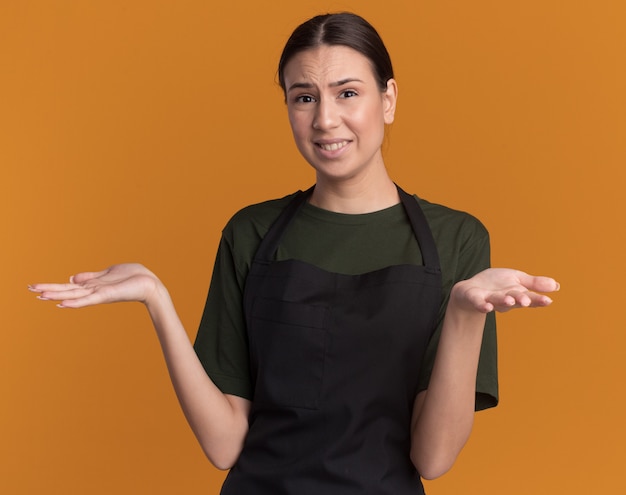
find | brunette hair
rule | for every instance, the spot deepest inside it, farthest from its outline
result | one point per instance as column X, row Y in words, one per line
column 345, row 29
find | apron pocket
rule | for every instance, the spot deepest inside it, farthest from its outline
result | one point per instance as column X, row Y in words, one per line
column 288, row 350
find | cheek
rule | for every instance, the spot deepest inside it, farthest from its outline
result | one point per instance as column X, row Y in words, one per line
column 369, row 119
column 298, row 124
column 299, row 133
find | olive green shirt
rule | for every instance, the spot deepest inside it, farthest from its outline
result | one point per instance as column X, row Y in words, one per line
column 341, row 243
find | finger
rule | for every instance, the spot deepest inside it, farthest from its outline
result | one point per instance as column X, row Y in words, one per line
column 520, row 298
column 502, row 301
column 81, row 278
column 59, row 295
column 538, row 284
column 527, row 299
column 479, row 300
column 51, row 287
column 88, row 300
column 539, row 300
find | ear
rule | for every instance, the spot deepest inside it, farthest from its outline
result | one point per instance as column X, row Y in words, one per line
column 390, row 97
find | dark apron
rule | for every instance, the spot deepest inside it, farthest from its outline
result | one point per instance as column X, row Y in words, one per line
column 335, row 361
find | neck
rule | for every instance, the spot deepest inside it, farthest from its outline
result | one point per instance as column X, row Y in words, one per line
column 365, row 195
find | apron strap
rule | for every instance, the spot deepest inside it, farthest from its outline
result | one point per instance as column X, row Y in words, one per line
column 422, row 231
column 269, row 244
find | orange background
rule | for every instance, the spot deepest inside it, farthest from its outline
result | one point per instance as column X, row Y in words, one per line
column 131, row 131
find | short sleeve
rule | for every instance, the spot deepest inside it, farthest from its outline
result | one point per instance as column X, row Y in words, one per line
column 221, row 343
column 464, row 252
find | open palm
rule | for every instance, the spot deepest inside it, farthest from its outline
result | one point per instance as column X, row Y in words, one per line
column 503, row 289
column 124, row 282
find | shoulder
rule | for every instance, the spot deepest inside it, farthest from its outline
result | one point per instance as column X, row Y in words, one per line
column 250, row 224
column 448, row 224
column 462, row 241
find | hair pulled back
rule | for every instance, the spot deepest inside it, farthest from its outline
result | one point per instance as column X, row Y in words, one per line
column 345, row 29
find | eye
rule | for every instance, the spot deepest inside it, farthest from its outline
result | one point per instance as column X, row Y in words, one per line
column 304, row 99
column 348, row 93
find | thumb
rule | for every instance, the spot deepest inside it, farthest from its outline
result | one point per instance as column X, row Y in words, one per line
column 81, row 278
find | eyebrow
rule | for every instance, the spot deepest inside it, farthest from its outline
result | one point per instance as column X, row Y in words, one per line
column 341, row 82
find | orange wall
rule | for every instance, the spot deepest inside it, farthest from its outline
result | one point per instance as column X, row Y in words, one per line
column 133, row 130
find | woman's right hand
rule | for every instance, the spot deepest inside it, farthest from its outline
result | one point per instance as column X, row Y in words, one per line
column 124, row 282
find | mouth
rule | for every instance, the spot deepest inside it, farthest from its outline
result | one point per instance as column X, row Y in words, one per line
column 332, row 146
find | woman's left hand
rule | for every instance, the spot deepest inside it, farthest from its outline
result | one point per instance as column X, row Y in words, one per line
column 502, row 289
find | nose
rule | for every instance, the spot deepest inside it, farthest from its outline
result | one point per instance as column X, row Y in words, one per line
column 327, row 115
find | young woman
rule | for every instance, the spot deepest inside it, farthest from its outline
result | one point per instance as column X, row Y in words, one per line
column 340, row 344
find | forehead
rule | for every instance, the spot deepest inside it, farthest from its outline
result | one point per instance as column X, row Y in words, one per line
column 327, row 63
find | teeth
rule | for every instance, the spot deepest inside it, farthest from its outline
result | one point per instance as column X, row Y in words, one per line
column 333, row 146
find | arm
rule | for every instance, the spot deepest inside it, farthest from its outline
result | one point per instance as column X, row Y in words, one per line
column 443, row 415
column 219, row 421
